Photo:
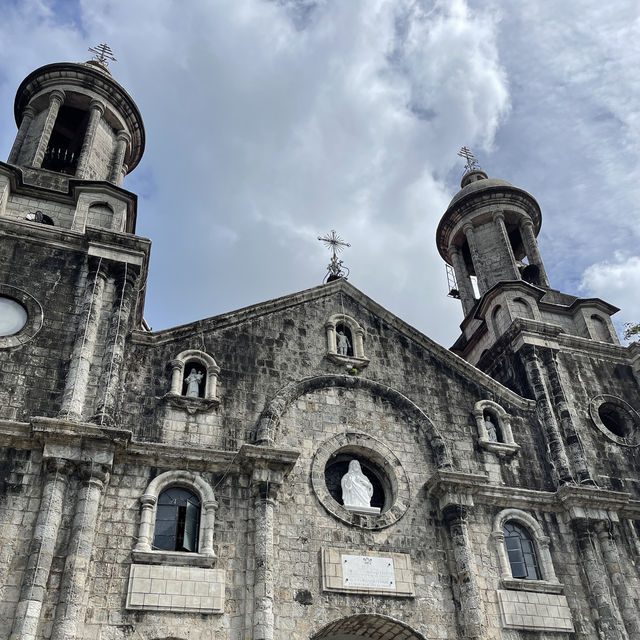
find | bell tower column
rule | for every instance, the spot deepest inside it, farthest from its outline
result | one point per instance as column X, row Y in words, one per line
column 56, row 98
column 463, row 280
column 27, row 116
column 96, row 110
column 531, row 247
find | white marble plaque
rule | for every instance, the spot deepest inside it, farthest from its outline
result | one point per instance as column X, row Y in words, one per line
column 369, row 572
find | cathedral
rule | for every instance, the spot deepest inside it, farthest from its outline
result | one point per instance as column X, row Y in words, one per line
column 309, row 467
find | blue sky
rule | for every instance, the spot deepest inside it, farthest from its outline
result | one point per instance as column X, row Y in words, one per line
column 270, row 123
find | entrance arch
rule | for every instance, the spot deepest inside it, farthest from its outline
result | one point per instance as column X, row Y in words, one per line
column 367, row 627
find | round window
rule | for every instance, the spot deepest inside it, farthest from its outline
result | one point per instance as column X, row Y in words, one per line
column 616, row 419
column 377, row 477
column 13, row 316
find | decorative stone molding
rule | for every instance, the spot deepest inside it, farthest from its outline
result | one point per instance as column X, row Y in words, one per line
column 367, row 447
column 192, row 405
column 507, row 446
column 148, row 501
column 358, row 359
column 549, row 582
column 35, row 316
column 629, row 420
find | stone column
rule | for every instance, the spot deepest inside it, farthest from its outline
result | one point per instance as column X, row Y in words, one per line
column 70, row 609
column 145, row 533
column 624, row 594
column 331, row 337
column 463, row 280
column 531, row 247
column 576, row 452
column 263, row 587
column 27, row 117
column 123, row 174
column 117, row 164
column 557, row 454
column 475, row 257
column 177, row 370
column 470, row 614
column 96, row 111
column 119, row 321
column 597, row 585
column 41, row 550
column 358, row 346
column 75, row 391
column 498, row 218
column 56, row 98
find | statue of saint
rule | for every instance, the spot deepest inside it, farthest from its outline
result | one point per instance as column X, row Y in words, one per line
column 343, row 343
column 193, row 381
column 492, row 433
column 356, row 487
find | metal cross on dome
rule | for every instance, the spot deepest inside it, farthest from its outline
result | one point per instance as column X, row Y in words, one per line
column 472, row 163
column 335, row 268
column 103, row 54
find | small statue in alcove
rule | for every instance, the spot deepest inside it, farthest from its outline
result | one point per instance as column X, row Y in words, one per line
column 343, row 343
column 492, row 432
column 193, row 381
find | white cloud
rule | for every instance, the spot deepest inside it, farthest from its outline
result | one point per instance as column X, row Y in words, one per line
column 269, row 123
column 616, row 281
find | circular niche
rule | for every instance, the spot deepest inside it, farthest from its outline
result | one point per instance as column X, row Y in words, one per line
column 615, row 419
column 20, row 316
column 391, row 492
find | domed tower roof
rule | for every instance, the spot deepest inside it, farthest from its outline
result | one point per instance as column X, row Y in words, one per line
column 478, row 196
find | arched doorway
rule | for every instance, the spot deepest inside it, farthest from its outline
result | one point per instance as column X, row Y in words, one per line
column 367, row 627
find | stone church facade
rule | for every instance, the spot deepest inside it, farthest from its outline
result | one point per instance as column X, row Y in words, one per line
column 189, row 483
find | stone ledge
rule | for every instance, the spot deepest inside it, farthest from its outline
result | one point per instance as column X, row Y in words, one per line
column 173, row 558
column 502, row 449
column 349, row 362
column 190, row 405
column 539, row 586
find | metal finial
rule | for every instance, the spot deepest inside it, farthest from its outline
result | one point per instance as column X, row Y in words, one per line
column 335, row 268
column 103, row 54
column 472, row 163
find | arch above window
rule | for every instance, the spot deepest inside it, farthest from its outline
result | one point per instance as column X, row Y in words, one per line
column 523, row 553
column 345, row 341
column 194, row 381
column 494, row 428
column 188, row 530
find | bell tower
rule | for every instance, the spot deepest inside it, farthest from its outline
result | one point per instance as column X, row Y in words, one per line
column 488, row 235
column 75, row 119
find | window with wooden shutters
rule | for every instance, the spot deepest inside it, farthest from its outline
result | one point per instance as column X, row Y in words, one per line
column 521, row 552
column 177, row 520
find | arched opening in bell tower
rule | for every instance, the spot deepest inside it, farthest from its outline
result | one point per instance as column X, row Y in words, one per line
column 66, row 140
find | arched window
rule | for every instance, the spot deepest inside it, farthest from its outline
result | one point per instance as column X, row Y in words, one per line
column 178, row 515
column 177, row 520
column 521, row 308
column 344, row 340
column 521, row 552
column 499, row 320
column 599, row 329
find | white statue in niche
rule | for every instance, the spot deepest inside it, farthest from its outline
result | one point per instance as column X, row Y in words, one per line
column 357, row 490
column 193, row 381
column 343, row 343
column 492, row 432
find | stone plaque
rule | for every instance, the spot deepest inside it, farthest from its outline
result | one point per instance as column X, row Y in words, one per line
column 369, row 572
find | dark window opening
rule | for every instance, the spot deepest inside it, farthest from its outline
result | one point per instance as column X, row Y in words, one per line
column 344, row 347
column 339, row 466
column 194, row 381
column 66, row 140
column 177, row 521
column 494, row 432
column 521, row 552
column 614, row 420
